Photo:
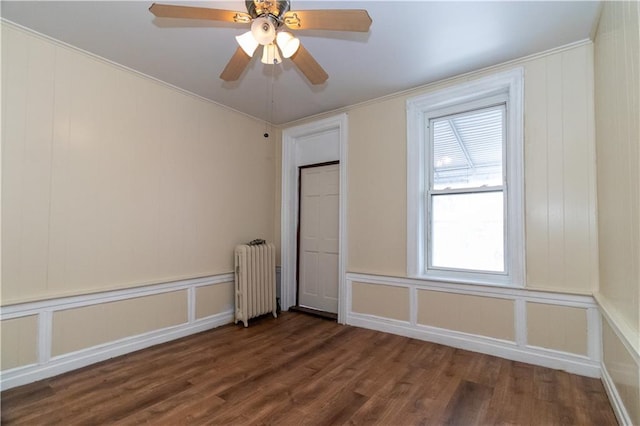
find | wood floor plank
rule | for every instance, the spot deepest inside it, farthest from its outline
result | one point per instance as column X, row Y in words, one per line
column 421, row 407
column 299, row 369
column 512, row 401
column 591, row 400
column 469, row 404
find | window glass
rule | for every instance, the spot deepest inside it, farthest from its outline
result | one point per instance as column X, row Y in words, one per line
column 467, row 231
column 467, row 149
column 466, row 224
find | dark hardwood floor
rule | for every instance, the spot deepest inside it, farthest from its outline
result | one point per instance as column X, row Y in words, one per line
column 301, row 369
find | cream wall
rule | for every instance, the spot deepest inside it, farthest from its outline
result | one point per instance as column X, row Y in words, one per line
column 277, row 205
column 617, row 77
column 377, row 203
column 617, row 106
column 561, row 251
column 113, row 180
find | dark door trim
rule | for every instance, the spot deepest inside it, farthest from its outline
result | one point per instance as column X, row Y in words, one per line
column 308, row 166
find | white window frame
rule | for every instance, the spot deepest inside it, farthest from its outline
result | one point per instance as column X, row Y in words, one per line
column 458, row 98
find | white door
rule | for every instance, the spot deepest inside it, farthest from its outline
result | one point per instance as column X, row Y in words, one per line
column 318, row 250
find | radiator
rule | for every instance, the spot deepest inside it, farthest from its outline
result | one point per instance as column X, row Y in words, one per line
column 255, row 281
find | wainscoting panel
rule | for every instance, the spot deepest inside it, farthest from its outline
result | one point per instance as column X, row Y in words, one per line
column 562, row 328
column 215, row 298
column 621, row 375
column 620, row 365
column 383, row 301
column 501, row 326
column 79, row 328
column 484, row 316
column 72, row 332
column 19, row 342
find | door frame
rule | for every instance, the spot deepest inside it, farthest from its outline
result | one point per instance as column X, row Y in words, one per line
column 291, row 155
column 300, row 168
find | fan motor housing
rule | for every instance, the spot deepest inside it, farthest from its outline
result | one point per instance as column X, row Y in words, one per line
column 276, row 9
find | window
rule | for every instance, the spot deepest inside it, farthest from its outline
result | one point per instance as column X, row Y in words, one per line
column 465, row 186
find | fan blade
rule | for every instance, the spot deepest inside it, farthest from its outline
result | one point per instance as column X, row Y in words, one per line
column 309, row 67
column 333, row 20
column 236, row 65
column 188, row 12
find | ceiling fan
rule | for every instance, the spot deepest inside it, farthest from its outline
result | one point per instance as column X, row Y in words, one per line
column 268, row 21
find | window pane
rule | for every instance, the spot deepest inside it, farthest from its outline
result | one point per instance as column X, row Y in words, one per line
column 467, row 231
column 467, row 149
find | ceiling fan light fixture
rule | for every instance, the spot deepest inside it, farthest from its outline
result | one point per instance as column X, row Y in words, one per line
column 271, row 55
column 248, row 43
column 263, row 30
column 287, row 43
column 267, row 19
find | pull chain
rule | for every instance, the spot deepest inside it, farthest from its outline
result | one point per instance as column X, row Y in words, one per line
column 269, row 103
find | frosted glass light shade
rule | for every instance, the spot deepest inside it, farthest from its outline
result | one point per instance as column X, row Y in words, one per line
column 263, row 30
column 248, row 43
column 270, row 55
column 287, row 43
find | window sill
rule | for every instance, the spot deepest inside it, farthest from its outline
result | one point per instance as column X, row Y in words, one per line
column 472, row 281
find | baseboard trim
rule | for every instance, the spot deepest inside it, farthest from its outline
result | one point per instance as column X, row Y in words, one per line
column 614, row 397
column 505, row 349
column 72, row 361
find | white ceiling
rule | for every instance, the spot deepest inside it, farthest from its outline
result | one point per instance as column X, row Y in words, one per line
column 410, row 43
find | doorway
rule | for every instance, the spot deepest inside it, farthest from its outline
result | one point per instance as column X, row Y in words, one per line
column 311, row 143
column 318, row 237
